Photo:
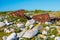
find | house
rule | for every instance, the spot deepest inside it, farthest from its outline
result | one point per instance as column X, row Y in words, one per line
column 42, row 18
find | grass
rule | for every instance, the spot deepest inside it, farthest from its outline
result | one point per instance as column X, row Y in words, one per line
column 3, row 34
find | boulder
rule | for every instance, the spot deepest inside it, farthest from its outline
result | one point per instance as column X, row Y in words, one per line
column 30, row 22
column 13, row 36
column 2, row 24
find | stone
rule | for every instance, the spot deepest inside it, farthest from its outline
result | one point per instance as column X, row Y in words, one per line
column 2, row 24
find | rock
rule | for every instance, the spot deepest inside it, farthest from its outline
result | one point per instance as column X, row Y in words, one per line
column 47, row 28
column 22, row 33
column 30, row 22
column 13, row 36
column 57, row 38
column 2, row 24
column 20, row 25
column 4, row 37
column 58, row 29
column 12, row 30
column 7, row 30
column 41, row 36
column 48, row 23
column 44, row 32
column 52, row 36
column 18, row 34
column 58, row 23
column 6, row 22
column 31, row 26
column 32, row 32
column 22, row 29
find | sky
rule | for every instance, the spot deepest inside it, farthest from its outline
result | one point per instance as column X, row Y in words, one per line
column 9, row 5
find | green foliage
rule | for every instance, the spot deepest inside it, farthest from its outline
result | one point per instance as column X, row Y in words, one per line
column 50, row 38
column 40, row 11
column 3, row 12
column 23, row 20
column 52, row 32
column 44, row 25
column 3, row 34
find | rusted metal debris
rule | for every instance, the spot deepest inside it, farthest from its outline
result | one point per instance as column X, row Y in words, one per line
column 18, row 13
column 42, row 17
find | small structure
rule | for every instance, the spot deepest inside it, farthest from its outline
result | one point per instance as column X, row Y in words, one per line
column 42, row 18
